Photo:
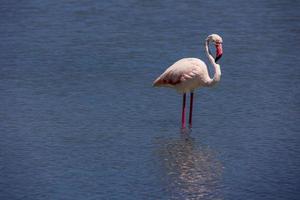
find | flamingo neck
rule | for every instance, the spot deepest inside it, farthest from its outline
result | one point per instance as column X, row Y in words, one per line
column 217, row 75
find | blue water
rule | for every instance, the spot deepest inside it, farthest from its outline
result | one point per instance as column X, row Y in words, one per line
column 79, row 118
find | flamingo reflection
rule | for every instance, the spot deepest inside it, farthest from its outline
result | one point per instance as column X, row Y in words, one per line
column 190, row 172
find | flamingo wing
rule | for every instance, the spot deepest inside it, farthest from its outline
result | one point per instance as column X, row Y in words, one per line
column 186, row 70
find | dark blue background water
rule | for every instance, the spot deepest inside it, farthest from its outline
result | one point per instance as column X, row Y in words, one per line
column 80, row 120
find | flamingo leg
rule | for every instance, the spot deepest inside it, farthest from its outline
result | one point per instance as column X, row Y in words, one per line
column 183, row 111
column 191, row 109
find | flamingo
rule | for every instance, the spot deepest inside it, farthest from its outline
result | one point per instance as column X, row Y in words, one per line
column 187, row 74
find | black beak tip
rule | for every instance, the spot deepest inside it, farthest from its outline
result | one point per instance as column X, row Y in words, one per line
column 217, row 58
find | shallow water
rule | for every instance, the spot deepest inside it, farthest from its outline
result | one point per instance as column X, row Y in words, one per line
column 80, row 120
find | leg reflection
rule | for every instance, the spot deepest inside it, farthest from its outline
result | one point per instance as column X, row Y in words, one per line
column 190, row 172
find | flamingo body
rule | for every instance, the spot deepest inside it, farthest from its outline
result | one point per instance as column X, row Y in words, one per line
column 185, row 75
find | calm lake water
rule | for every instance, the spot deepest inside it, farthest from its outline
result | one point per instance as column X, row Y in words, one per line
column 81, row 120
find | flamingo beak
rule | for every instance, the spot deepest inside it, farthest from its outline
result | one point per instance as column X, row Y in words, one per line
column 219, row 51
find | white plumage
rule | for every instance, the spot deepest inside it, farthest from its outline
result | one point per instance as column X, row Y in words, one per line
column 185, row 75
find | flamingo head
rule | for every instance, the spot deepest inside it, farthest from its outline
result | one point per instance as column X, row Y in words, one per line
column 217, row 40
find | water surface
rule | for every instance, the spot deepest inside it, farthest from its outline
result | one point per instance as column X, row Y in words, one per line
column 80, row 120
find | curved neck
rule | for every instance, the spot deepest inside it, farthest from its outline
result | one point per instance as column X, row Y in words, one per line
column 217, row 75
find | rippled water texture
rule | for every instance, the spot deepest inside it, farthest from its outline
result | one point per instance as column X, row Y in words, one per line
column 79, row 118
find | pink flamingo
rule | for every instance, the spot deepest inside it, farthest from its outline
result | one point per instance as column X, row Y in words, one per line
column 187, row 74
